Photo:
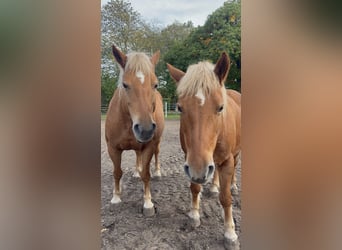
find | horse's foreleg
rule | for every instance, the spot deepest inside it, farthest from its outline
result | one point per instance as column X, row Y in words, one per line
column 226, row 172
column 195, row 203
column 156, row 160
column 148, row 208
column 215, row 187
column 115, row 155
column 138, row 164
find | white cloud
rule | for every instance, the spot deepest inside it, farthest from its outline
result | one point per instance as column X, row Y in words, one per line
column 167, row 12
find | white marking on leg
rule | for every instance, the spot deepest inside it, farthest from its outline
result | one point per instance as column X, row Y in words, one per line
column 229, row 226
column 141, row 76
column 200, row 96
column 137, row 171
column 194, row 212
column 147, row 199
column 116, row 194
column 116, row 199
column 139, row 168
column 148, row 203
column 157, row 168
column 157, row 173
column 214, row 189
column 136, row 174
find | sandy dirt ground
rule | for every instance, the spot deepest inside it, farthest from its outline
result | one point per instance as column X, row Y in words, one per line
column 125, row 227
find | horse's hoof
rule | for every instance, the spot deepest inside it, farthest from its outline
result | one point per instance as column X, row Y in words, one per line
column 214, row 192
column 231, row 244
column 157, row 174
column 194, row 218
column 149, row 212
column 195, row 222
column 136, row 174
column 234, row 190
column 115, row 200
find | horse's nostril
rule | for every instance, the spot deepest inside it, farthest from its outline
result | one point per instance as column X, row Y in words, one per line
column 187, row 170
column 153, row 126
column 211, row 169
column 136, row 128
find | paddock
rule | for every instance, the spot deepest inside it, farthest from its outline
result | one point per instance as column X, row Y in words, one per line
column 125, row 227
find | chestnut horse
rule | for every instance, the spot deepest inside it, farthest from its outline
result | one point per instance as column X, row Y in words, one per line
column 210, row 129
column 135, row 119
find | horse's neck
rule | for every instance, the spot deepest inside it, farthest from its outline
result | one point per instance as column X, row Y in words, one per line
column 120, row 106
column 226, row 117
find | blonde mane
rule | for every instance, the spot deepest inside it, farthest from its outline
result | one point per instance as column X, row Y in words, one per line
column 136, row 61
column 199, row 76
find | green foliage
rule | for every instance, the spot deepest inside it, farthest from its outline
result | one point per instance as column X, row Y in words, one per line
column 108, row 85
column 170, row 37
column 180, row 43
column 221, row 32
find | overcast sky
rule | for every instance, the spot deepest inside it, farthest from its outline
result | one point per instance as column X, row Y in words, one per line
column 167, row 11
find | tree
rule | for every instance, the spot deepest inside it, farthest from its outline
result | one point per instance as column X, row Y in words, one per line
column 221, row 32
column 180, row 43
column 123, row 26
column 170, row 37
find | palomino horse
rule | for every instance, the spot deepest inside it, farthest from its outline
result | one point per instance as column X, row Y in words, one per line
column 135, row 119
column 210, row 128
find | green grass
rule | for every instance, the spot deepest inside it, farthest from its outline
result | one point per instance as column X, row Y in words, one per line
column 172, row 117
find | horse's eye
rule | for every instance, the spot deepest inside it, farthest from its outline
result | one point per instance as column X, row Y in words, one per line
column 220, row 109
column 179, row 108
column 155, row 86
column 125, row 85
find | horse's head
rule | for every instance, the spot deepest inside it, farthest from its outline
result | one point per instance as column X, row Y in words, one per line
column 201, row 101
column 137, row 86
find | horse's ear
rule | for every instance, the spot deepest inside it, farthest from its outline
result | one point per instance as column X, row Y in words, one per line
column 120, row 57
column 155, row 57
column 175, row 73
column 222, row 67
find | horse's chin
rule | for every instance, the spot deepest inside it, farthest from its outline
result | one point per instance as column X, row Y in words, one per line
column 200, row 182
column 141, row 141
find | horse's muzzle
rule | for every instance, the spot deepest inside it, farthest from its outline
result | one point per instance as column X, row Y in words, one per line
column 199, row 178
column 144, row 133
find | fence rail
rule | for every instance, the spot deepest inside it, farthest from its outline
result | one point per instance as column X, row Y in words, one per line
column 168, row 108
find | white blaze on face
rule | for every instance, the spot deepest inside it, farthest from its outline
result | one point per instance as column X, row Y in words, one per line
column 141, row 76
column 200, row 96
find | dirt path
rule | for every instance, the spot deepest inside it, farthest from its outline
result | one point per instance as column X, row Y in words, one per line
column 125, row 227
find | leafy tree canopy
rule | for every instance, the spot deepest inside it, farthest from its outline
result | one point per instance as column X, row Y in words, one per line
column 221, row 32
column 180, row 43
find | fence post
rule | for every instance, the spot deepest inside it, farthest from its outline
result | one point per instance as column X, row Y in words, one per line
column 165, row 109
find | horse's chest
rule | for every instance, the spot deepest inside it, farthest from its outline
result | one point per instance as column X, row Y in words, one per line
column 129, row 142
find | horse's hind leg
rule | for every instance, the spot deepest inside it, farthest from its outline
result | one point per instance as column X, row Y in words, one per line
column 156, row 160
column 138, row 164
column 115, row 155
column 148, row 208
